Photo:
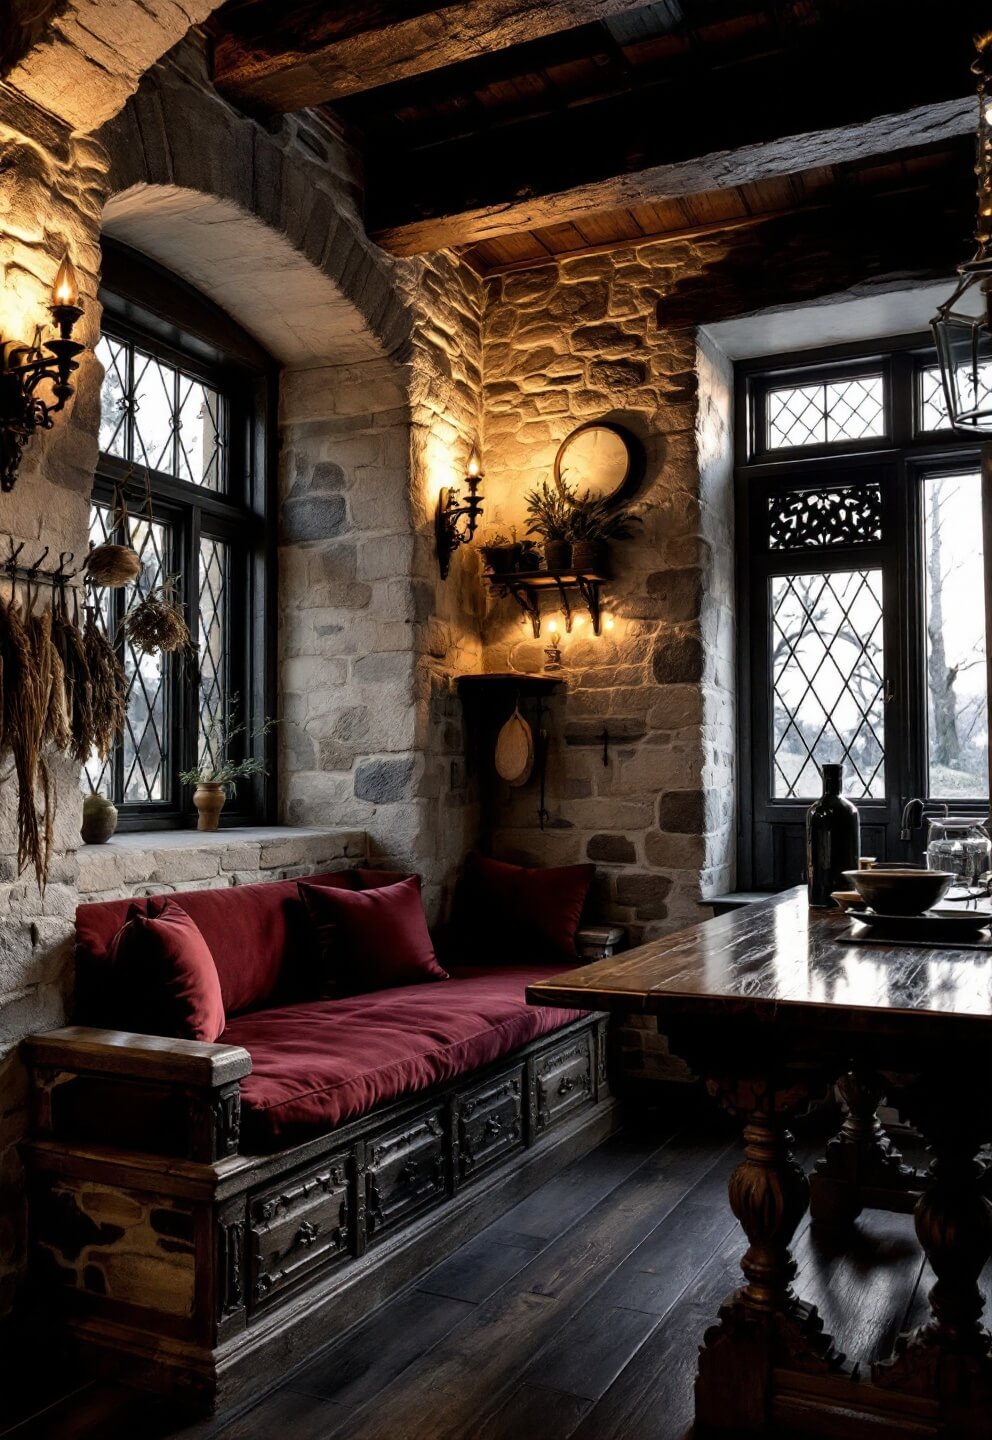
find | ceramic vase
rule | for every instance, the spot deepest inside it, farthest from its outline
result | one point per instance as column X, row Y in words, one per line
column 209, row 798
column 99, row 820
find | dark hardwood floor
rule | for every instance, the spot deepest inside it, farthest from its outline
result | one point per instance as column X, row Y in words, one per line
column 578, row 1314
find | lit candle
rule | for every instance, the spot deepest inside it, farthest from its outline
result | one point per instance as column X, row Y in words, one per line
column 65, row 291
column 474, row 467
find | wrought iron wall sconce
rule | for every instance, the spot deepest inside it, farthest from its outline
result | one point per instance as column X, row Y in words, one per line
column 455, row 523
column 23, row 368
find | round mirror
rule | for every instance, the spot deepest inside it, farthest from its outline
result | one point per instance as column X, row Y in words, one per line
column 596, row 459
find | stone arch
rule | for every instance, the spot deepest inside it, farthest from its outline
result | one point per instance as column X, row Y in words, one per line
column 277, row 199
column 92, row 55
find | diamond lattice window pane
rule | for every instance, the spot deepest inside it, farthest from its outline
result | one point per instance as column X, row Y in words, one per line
column 827, row 413
column 933, row 403
column 113, row 355
column 828, row 682
column 146, row 727
column 154, row 413
column 214, row 585
column 200, row 436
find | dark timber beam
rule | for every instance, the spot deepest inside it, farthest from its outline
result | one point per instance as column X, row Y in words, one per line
column 717, row 169
column 278, row 56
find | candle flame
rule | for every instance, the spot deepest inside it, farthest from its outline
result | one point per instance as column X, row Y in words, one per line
column 65, row 291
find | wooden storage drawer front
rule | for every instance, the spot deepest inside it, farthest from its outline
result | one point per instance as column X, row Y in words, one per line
column 562, row 1081
column 490, row 1123
column 302, row 1225
column 406, row 1172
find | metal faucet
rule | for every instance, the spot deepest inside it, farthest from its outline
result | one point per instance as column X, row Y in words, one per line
column 912, row 818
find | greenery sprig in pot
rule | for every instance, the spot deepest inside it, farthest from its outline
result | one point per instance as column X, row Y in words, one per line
column 593, row 524
column 216, row 775
column 500, row 553
column 549, row 510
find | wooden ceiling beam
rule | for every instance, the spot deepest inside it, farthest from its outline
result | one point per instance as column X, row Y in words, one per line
column 278, row 56
column 685, row 129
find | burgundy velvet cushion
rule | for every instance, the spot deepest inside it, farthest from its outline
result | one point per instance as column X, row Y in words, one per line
column 165, row 979
column 372, row 939
column 375, row 879
column 514, row 912
column 257, row 934
column 319, row 1065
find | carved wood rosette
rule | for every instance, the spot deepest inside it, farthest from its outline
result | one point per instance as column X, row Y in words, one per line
column 861, row 1166
column 949, row 1359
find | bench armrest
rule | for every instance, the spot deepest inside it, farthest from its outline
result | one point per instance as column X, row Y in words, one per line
column 137, row 1092
column 599, row 942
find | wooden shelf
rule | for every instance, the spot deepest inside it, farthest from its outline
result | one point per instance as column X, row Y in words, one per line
column 526, row 587
column 508, row 679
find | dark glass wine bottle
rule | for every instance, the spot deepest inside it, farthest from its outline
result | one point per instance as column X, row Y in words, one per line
column 833, row 838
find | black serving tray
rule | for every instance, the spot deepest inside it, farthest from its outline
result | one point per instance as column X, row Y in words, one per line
column 933, row 927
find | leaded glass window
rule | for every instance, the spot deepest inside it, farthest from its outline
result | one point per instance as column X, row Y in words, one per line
column 933, row 404
column 154, row 414
column 825, row 412
column 828, row 682
column 166, row 426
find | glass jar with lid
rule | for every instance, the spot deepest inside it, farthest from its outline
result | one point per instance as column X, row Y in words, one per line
column 961, row 844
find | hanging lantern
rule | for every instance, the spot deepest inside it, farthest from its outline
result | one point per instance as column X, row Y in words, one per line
column 962, row 327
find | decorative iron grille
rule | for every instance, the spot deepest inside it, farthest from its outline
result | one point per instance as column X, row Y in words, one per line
column 828, row 684
column 155, row 415
column 809, row 519
column 825, row 413
column 933, row 403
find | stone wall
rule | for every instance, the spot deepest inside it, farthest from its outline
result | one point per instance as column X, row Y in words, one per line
column 565, row 345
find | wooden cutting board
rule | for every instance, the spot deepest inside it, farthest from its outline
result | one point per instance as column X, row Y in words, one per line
column 515, row 750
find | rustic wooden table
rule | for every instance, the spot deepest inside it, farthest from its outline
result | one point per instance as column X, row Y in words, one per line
column 771, row 1005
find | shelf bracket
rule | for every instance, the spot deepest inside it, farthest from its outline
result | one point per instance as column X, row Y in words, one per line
column 566, row 606
column 589, row 590
column 529, row 604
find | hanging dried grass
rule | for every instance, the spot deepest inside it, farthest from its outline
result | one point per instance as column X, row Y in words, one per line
column 157, row 623
column 108, row 688
column 110, row 566
column 25, row 708
column 68, row 643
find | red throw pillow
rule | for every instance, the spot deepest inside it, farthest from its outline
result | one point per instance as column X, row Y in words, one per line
column 165, row 978
column 513, row 912
column 372, row 939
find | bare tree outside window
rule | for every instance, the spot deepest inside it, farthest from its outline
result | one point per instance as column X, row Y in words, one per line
column 957, row 701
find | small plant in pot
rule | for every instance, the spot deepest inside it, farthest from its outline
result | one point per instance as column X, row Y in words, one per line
column 549, row 510
column 500, row 554
column 216, row 775
column 594, row 523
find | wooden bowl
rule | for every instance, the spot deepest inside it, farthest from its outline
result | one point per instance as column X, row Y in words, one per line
column 900, row 891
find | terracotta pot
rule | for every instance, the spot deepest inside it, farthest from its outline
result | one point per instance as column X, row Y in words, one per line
column 99, row 820
column 209, row 798
column 589, row 557
column 557, row 554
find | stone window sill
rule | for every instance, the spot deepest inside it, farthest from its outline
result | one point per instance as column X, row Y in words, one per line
column 143, row 862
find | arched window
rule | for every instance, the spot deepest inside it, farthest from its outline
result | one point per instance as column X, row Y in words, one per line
column 186, row 442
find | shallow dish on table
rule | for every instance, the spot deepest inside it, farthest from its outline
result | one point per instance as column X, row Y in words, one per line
column 848, row 900
column 900, row 891
column 936, row 927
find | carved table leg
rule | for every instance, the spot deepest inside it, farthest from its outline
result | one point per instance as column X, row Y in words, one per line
column 949, row 1360
column 763, row 1324
column 861, row 1165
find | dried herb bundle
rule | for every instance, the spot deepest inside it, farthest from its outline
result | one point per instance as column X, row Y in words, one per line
column 156, row 623
column 108, row 688
column 112, row 565
column 59, row 688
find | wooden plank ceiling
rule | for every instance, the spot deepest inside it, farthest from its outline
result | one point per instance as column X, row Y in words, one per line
column 518, row 131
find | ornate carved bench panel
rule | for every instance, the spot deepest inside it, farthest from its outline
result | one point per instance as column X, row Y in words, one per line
column 302, row 1225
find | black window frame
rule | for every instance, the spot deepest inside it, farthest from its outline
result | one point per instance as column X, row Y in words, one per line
column 152, row 308
column 769, row 835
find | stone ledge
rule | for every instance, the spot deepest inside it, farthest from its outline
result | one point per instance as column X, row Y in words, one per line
column 150, row 861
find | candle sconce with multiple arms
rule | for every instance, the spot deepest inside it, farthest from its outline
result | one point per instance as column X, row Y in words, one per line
column 25, row 368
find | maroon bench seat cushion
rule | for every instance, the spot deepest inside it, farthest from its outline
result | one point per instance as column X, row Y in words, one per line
column 258, row 935
column 319, row 1064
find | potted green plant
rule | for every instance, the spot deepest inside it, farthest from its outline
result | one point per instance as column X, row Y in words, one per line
column 593, row 524
column 500, row 553
column 215, row 775
column 549, row 510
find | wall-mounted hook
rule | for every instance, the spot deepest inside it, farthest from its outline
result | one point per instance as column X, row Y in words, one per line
column 606, row 746
column 33, row 569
